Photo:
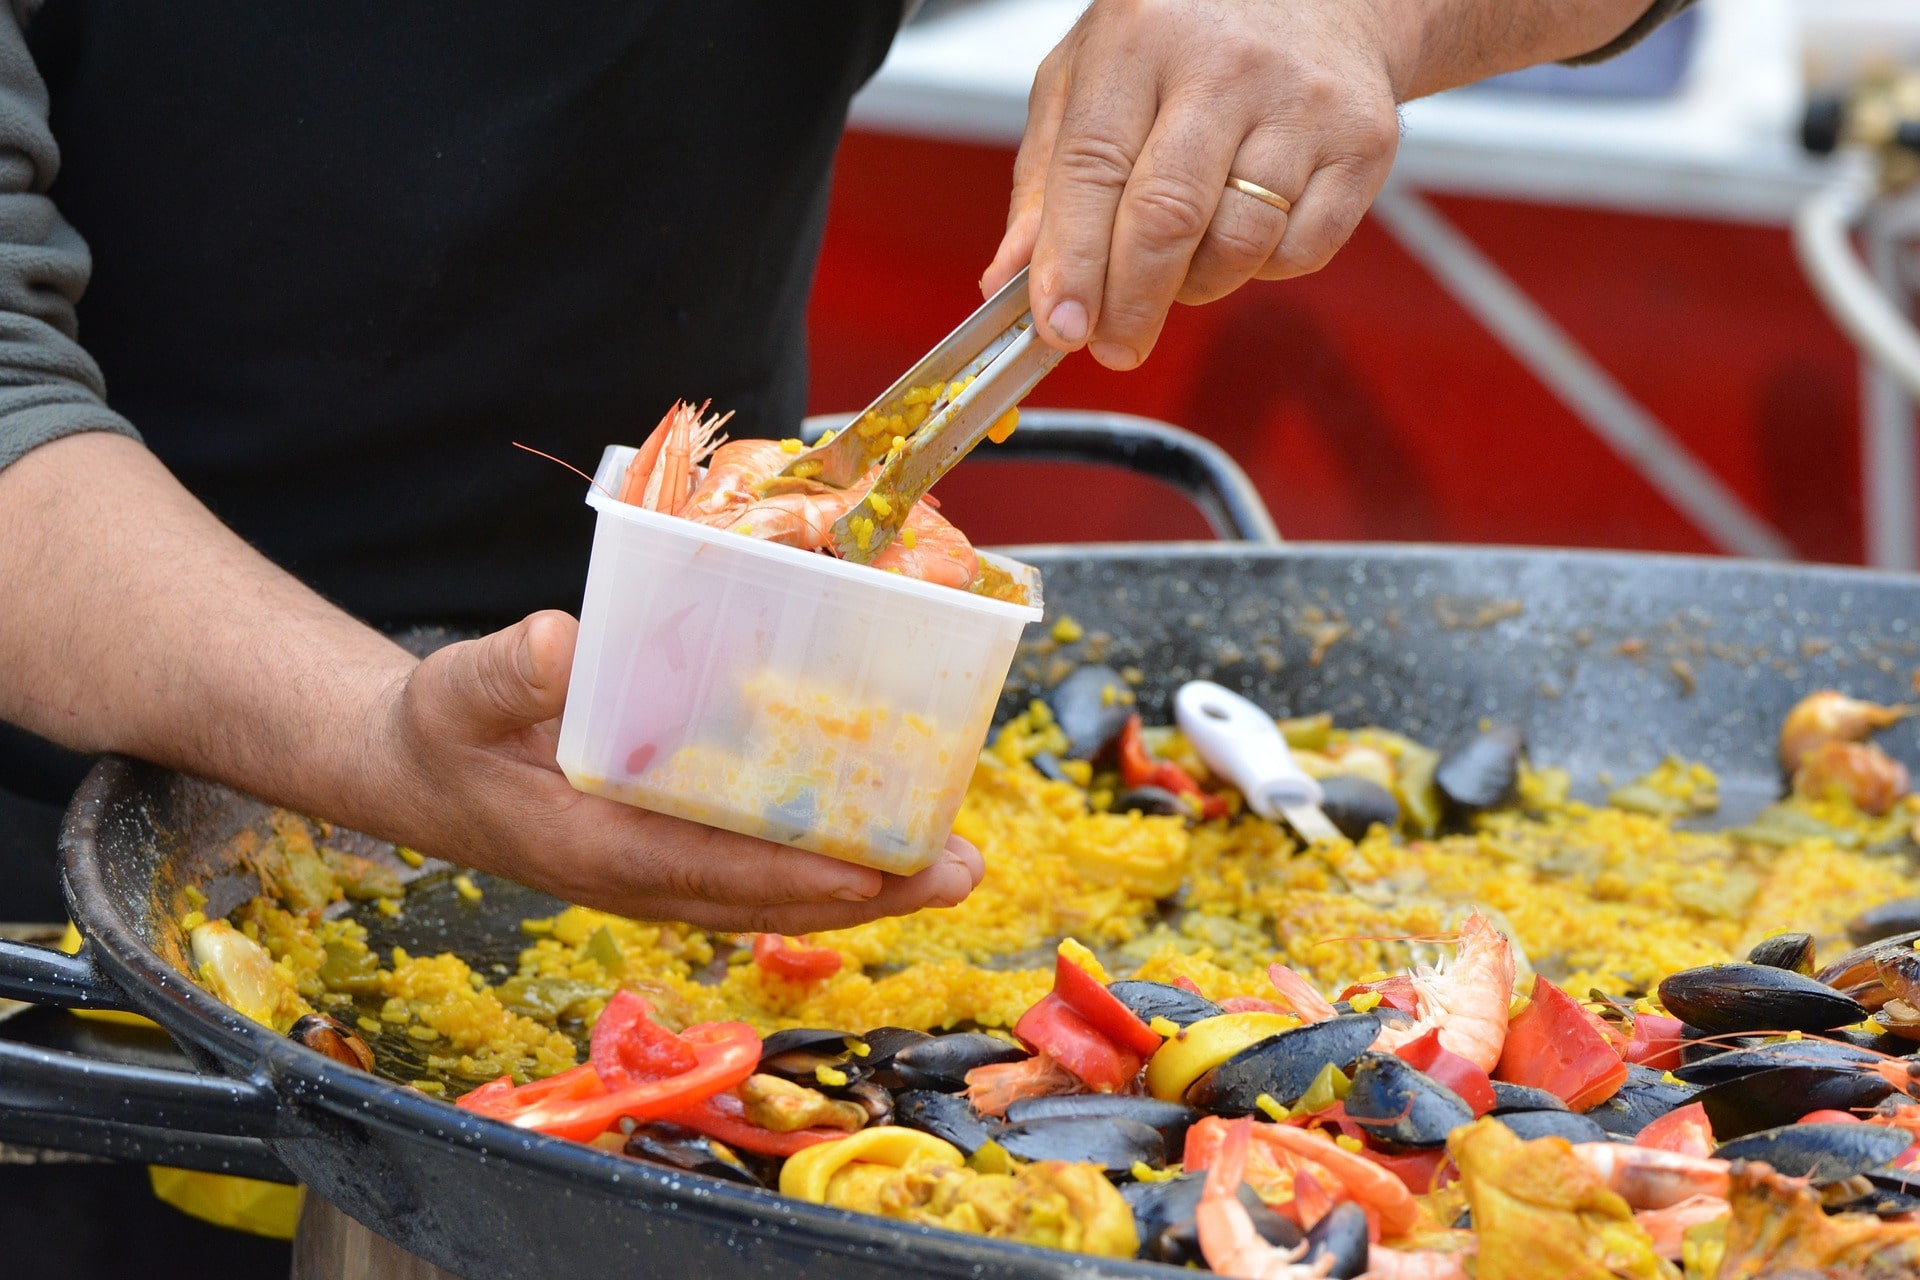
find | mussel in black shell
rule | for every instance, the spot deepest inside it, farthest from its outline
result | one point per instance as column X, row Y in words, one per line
column 1150, row 1000
column 1480, row 771
column 1819, row 1152
column 1283, row 1065
column 1740, row 999
column 1402, row 1106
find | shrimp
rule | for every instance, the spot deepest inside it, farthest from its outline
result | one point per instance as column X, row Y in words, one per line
column 992, row 1089
column 739, row 492
column 1830, row 716
column 1382, row 1194
column 1299, row 995
column 1413, row 1264
column 1228, row 1240
column 1467, row 1001
column 1650, row 1179
column 1668, row 1226
column 1859, row 772
column 663, row 474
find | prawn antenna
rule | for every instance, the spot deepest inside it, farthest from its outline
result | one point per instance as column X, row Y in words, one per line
column 539, row 453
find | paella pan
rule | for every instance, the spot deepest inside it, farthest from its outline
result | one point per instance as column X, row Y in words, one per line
column 1609, row 665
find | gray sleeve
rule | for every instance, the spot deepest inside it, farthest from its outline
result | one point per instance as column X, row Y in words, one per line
column 1658, row 13
column 49, row 386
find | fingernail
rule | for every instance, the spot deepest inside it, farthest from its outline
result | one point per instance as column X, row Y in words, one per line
column 847, row 893
column 1069, row 322
column 1114, row 356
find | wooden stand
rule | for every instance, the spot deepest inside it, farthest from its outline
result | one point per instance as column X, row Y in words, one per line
column 332, row 1246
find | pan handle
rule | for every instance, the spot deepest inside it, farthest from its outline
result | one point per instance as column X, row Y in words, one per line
column 41, row 975
column 53, row 1082
column 1196, row 466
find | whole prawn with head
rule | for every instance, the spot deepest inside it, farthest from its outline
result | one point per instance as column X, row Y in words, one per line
column 1229, row 1241
column 1466, row 1000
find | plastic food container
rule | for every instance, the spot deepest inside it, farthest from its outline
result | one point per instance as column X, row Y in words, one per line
column 777, row 692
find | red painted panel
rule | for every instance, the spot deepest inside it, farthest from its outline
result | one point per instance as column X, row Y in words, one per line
column 1364, row 401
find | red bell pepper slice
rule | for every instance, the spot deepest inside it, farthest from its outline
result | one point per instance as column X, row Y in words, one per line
column 1450, row 1069
column 1686, row 1130
column 1656, row 1042
column 726, row 1053
column 723, row 1117
column 628, row 1047
column 1140, row 768
column 1552, row 1044
column 1053, row 1027
column 1087, row 996
column 502, row 1099
column 793, row 960
column 1396, row 991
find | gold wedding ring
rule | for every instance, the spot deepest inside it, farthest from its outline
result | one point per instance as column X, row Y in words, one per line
column 1261, row 194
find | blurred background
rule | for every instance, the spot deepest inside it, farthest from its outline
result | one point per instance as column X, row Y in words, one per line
column 1576, row 317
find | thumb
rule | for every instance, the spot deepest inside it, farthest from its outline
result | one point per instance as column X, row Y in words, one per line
column 511, row 679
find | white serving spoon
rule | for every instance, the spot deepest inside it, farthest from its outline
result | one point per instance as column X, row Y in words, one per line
column 1242, row 744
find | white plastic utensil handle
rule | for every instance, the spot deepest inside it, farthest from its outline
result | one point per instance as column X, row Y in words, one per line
column 1242, row 744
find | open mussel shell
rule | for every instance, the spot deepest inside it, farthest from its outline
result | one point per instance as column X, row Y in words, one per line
column 1164, row 1213
column 942, row 1062
column 1819, row 1152
column 326, row 1034
column 1283, row 1065
column 1553, row 1124
column 1886, row 1197
column 1357, row 805
column 1480, row 770
column 1171, row 1118
column 659, row 1142
column 1150, row 1000
column 1742, row 998
column 1902, row 915
column 798, row 1053
column 1339, row 1243
column 1091, row 706
column 1857, row 973
column 1402, row 1106
column 1769, row 1099
column 947, row 1116
column 1645, row 1097
column 1115, row 1144
column 1521, row 1097
column 1806, row 1052
column 1792, row 951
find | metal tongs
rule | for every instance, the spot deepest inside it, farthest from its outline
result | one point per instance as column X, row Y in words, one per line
column 999, row 350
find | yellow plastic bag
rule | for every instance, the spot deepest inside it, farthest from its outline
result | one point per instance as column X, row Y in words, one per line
column 270, row 1209
column 71, row 945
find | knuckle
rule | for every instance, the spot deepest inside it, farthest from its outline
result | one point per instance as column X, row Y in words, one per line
column 1170, row 210
column 1239, row 244
column 1094, row 158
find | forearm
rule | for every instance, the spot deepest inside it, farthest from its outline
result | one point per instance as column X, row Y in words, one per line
column 1442, row 44
column 136, row 622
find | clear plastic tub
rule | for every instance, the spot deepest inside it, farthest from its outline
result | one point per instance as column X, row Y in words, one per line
column 777, row 692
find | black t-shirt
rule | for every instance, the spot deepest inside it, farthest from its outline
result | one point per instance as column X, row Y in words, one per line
column 345, row 254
